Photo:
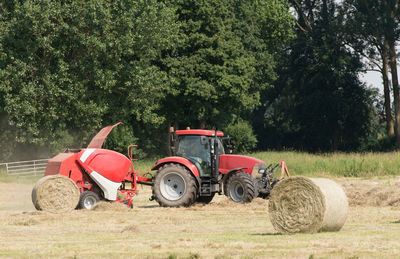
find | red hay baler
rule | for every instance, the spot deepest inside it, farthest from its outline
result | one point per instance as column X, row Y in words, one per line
column 100, row 174
column 198, row 170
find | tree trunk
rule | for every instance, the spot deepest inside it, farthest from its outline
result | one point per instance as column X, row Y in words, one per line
column 395, row 84
column 386, row 90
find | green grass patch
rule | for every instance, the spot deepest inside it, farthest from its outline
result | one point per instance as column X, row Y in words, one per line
column 144, row 165
column 336, row 164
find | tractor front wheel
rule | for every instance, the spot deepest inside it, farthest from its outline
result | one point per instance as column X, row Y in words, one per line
column 88, row 200
column 241, row 188
column 174, row 186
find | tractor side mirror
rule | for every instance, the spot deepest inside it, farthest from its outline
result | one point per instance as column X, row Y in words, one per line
column 228, row 144
column 203, row 140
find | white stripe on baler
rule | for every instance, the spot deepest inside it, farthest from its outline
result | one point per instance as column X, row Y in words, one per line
column 86, row 154
column 109, row 187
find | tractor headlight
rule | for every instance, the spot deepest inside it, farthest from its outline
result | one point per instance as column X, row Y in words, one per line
column 257, row 170
column 262, row 171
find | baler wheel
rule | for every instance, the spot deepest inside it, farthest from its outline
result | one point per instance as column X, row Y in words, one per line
column 205, row 199
column 174, row 186
column 88, row 200
column 241, row 188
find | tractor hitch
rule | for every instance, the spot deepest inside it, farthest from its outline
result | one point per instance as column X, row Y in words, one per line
column 268, row 180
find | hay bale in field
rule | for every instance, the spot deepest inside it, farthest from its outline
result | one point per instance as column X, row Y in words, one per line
column 307, row 205
column 56, row 194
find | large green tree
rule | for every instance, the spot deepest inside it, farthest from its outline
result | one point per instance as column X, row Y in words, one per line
column 373, row 28
column 69, row 67
column 318, row 103
column 225, row 57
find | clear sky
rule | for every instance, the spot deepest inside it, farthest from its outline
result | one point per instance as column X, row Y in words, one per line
column 373, row 78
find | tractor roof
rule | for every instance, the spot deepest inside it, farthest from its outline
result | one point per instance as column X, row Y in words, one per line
column 209, row 133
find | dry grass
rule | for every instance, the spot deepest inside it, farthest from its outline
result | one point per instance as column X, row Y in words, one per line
column 218, row 230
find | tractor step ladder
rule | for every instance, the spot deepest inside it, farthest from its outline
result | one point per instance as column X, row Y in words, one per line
column 205, row 187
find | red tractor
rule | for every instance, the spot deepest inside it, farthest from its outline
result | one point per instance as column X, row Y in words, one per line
column 198, row 170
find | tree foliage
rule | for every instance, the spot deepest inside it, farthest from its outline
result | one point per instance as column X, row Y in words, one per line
column 225, row 58
column 243, row 138
column 68, row 68
column 373, row 28
column 318, row 104
column 75, row 66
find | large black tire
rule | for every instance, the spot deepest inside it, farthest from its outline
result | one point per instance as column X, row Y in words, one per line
column 174, row 186
column 205, row 199
column 88, row 200
column 240, row 188
column 256, row 188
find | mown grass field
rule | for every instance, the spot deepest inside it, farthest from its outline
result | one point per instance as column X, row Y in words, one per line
column 221, row 229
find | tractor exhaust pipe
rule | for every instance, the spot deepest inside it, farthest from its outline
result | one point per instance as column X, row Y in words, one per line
column 215, row 160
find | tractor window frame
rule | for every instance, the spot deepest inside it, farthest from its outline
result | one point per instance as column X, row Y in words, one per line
column 187, row 147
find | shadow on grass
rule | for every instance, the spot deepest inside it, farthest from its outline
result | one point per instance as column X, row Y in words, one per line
column 148, row 206
column 266, row 234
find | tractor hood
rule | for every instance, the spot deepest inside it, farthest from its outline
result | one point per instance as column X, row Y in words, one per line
column 249, row 164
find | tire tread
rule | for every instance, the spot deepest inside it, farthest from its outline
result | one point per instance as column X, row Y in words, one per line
column 190, row 195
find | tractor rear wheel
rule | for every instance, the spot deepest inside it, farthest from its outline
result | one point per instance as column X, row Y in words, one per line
column 174, row 186
column 205, row 199
column 241, row 188
column 88, row 200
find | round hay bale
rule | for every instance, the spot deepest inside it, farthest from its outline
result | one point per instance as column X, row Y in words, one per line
column 56, row 194
column 307, row 205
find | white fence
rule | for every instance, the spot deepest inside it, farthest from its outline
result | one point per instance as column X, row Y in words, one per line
column 25, row 168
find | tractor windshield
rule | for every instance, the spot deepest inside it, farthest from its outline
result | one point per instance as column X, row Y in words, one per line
column 197, row 151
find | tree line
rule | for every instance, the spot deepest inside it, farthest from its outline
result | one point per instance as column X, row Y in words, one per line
column 273, row 74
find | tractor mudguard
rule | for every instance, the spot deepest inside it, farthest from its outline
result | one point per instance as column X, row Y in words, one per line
column 231, row 172
column 178, row 160
column 236, row 169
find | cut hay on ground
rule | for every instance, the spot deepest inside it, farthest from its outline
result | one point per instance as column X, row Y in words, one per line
column 113, row 206
column 307, row 205
column 373, row 192
column 56, row 194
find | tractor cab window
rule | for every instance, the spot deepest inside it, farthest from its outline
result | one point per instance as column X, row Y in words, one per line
column 192, row 148
column 221, row 149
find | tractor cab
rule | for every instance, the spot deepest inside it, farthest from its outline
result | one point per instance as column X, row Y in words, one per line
column 198, row 146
